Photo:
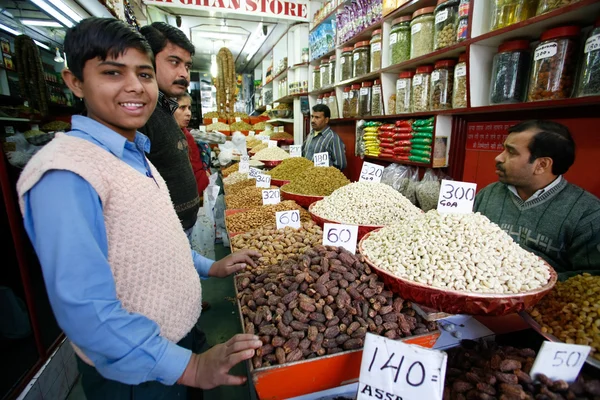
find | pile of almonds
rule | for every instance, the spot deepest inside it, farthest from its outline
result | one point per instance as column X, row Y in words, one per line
column 260, row 216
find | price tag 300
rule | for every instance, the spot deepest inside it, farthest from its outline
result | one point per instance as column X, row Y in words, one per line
column 456, row 197
column 321, row 159
column 288, row 218
column 560, row 361
column 263, row 181
column 395, row 370
column 371, row 172
column 253, row 173
column 270, row 196
column 339, row 235
column 295, row 150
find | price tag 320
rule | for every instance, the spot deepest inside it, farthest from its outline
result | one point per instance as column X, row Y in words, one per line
column 345, row 236
column 263, row 181
column 321, row 159
column 395, row 370
column 560, row 361
column 456, row 197
column 371, row 172
column 288, row 218
column 253, row 173
column 295, row 150
column 270, row 196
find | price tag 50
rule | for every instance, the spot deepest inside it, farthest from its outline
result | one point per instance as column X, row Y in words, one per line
column 270, row 196
column 263, row 181
column 456, row 197
column 560, row 360
column 339, row 235
column 288, row 218
column 321, row 159
column 370, row 172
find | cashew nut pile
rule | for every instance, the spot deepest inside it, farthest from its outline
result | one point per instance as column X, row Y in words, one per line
column 366, row 203
column 271, row 154
column 235, row 177
column 463, row 252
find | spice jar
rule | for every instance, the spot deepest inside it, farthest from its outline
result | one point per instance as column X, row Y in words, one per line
column 360, row 57
column 365, row 99
column 376, row 99
column 375, row 44
column 331, row 70
column 462, row 30
column 346, row 64
column 459, row 90
column 333, row 105
column 421, row 32
column 510, row 72
column 548, row 5
column 420, row 88
column 554, row 64
column 325, row 100
column 400, row 40
column 589, row 79
column 403, row 92
column 325, row 73
column 446, row 19
column 317, row 78
column 442, row 80
column 353, row 96
column 508, row 12
column 346, row 103
column 320, row 99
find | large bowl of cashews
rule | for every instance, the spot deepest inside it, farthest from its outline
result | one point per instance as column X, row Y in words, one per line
column 457, row 263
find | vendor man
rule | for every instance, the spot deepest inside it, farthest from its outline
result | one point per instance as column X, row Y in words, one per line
column 323, row 140
column 536, row 205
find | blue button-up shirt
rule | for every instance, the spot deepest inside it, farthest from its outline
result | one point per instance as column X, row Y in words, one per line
column 64, row 220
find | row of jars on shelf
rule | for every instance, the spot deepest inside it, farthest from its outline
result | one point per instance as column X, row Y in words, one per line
column 508, row 12
column 285, row 89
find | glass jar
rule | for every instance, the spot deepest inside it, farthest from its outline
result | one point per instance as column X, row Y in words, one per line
column 548, row 5
column 462, row 30
column 325, row 73
column 589, row 79
column 376, row 99
column 346, row 64
column 346, row 103
column 304, row 55
column 446, row 19
column 420, row 88
column 316, row 78
column 375, row 44
column 404, row 91
column 353, row 96
column 320, row 99
column 325, row 100
column 400, row 40
column 459, row 89
column 421, row 32
column 333, row 105
column 360, row 58
column 510, row 72
column 364, row 99
column 442, row 80
column 331, row 70
column 508, row 12
column 554, row 64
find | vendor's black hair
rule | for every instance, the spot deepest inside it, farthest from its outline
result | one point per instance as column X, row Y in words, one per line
column 552, row 140
column 181, row 96
column 159, row 33
column 101, row 37
column 322, row 108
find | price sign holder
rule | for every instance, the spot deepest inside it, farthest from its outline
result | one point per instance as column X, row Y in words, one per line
column 288, row 218
column 254, row 172
column 272, row 143
column 244, row 166
column 296, row 150
column 345, row 236
column 321, row 159
column 392, row 369
column 261, row 137
column 371, row 172
column 456, row 197
column 270, row 196
column 263, row 181
column 560, row 360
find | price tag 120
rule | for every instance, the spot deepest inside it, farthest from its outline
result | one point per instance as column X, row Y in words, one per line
column 270, row 196
column 371, row 173
column 456, row 197
column 288, row 218
column 263, row 181
column 339, row 235
column 272, row 143
column 321, row 159
column 295, row 150
column 253, row 173
column 395, row 370
column 560, row 361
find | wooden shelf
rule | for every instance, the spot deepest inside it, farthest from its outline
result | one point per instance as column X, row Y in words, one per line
column 281, row 120
column 317, row 60
column 290, row 98
column 13, row 119
column 327, row 89
column 448, row 52
column 391, row 160
column 365, row 34
column 332, row 13
column 362, row 78
column 301, row 65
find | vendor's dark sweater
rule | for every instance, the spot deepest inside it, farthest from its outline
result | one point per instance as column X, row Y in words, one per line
column 562, row 225
column 169, row 154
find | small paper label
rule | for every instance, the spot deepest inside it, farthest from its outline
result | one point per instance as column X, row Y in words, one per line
column 269, row 107
column 288, row 218
column 341, row 236
column 343, row 61
column 345, row 95
column 401, row 84
column 35, row 127
column 270, row 196
column 393, row 38
column 215, row 120
column 244, row 166
column 251, row 133
column 376, row 47
column 456, row 197
column 461, row 71
column 592, row 44
column 364, row 91
column 416, row 28
column 546, row 51
column 351, row 94
column 441, row 16
column 435, row 76
column 253, row 173
column 376, row 89
column 417, row 80
column 296, row 150
column 261, row 138
column 263, row 181
column 356, row 56
column 272, row 143
column 321, row 159
column 560, row 361
column 371, row 172
column 9, row 130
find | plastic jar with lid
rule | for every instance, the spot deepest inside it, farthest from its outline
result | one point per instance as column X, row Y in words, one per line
column 545, row 6
column 508, row 12
column 400, row 40
column 376, row 99
column 459, row 89
column 420, row 88
column 360, row 58
column 331, row 70
column 346, row 64
column 421, row 32
column 364, row 99
column 375, row 44
column 333, row 105
column 346, row 103
column 554, row 64
column 446, row 20
column 462, row 29
column 404, row 91
column 589, row 79
column 325, row 73
column 510, row 72
column 316, row 78
column 353, row 95
column 442, row 81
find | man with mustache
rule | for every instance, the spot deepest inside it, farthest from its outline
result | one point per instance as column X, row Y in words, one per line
column 322, row 139
column 536, row 205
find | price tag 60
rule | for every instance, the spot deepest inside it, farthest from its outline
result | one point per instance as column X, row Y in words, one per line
column 295, row 150
column 321, row 159
column 270, row 196
column 339, row 235
column 253, row 173
column 244, row 166
column 370, row 172
column 288, row 218
column 395, row 370
column 456, row 197
column 560, row 360
column 272, row 143
column 263, row 181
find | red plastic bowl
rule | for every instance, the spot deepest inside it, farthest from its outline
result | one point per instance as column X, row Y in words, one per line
column 285, row 141
column 302, row 200
column 362, row 229
column 271, row 164
column 278, row 182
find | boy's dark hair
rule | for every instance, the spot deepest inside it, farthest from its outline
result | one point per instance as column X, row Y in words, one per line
column 552, row 140
column 159, row 33
column 322, row 108
column 101, row 37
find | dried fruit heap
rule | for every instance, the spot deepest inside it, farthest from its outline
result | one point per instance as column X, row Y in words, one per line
column 226, row 82
column 31, row 74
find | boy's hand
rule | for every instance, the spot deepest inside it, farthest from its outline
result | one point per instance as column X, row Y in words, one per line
column 233, row 263
column 211, row 368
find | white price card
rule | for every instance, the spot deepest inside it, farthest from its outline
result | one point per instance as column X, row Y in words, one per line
column 321, row 159
column 261, row 137
column 237, row 119
column 456, row 197
column 288, row 218
column 269, row 108
column 244, row 166
column 270, row 196
column 339, row 235
column 296, row 150
column 560, row 361
column 272, row 143
column 392, row 369
column 9, row 130
column 254, row 172
column 215, row 120
column 263, row 181
column 371, row 172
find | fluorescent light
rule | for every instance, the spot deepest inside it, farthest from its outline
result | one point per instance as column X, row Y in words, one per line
column 42, row 45
column 9, row 30
column 41, row 22
column 52, row 11
column 67, row 10
column 256, row 40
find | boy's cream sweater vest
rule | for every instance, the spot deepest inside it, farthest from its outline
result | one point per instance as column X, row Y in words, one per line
column 148, row 252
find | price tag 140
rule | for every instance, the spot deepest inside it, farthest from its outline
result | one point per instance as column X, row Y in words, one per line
column 456, row 197
column 270, row 196
column 371, row 173
column 263, row 181
column 395, row 370
column 321, row 159
column 253, row 173
column 288, row 218
column 295, row 150
column 244, row 166
column 560, row 361
column 339, row 235
column 272, row 143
